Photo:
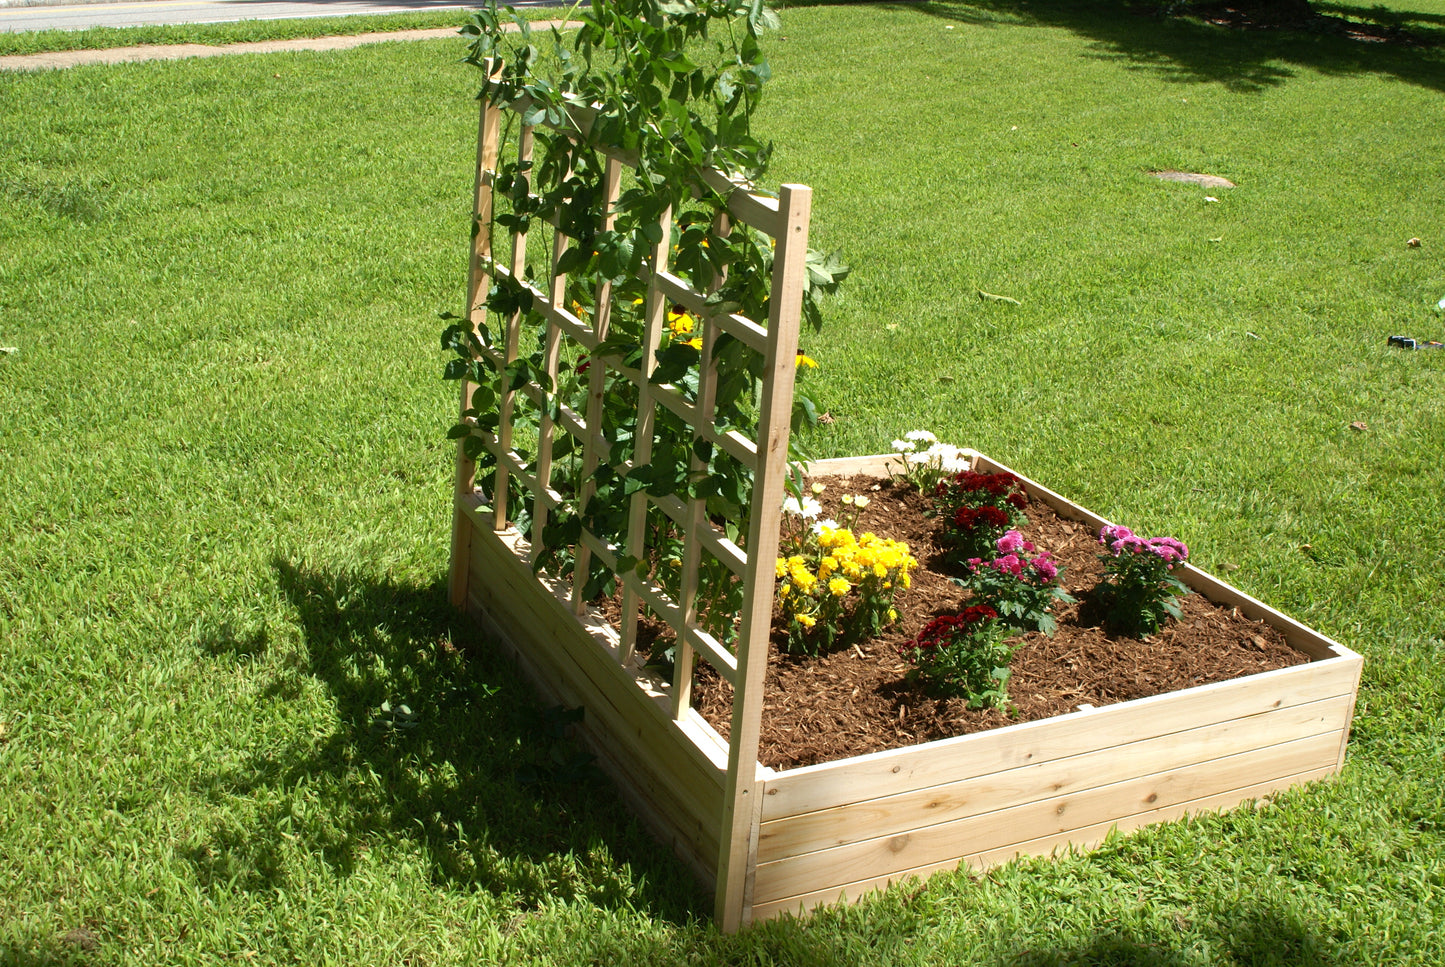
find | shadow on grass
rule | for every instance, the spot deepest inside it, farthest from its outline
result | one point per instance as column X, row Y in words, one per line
column 1193, row 51
column 1251, row 936
column 439, row 748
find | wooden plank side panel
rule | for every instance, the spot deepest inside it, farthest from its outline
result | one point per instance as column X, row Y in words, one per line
column 904, row 813
column 1083, row 838
column 659, row 759
column 1059, row 816
column 896, row 771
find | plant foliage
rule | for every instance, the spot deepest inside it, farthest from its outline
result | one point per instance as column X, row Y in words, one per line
column 672, row 87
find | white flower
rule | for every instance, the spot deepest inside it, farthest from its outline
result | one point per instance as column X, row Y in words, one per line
column 847, row 498
column 860, row 501
column 903, row 446
column 917, row 459
column 809, row 507
column 819, row 488
column 922, row 436
column 825, row 525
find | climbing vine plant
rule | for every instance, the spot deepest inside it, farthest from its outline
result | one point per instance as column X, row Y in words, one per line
column 673, row 86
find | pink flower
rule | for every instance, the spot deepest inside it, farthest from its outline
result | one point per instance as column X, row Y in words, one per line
column 1044, row 567
column 1114, row 532
column 1010, row 542
column 1008, row 564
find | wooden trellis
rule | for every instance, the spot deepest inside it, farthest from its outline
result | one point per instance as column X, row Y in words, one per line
column 784, row 219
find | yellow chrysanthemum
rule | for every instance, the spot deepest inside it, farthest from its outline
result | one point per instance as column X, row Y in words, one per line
column 806, row 620
column 782, row 566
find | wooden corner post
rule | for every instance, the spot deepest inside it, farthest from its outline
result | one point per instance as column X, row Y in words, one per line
column 489, row 128
column 742, row 804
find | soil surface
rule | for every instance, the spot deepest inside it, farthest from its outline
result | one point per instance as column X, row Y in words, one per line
column 857, row 699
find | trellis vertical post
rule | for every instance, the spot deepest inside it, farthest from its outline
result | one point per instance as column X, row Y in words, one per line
column 479, row 279
column 742, row 804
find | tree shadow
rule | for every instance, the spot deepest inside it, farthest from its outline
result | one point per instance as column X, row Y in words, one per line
column 1190, row 50
column 1252, row 935
column 439, row 747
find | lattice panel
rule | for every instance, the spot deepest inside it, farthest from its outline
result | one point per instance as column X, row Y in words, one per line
column 568, row 334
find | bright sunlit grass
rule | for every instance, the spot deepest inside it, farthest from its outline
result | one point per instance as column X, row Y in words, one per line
column 224, row 512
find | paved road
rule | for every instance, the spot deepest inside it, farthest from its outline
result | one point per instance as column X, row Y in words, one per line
column 77, row 16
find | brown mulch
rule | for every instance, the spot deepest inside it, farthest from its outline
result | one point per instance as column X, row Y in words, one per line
column 857, row 700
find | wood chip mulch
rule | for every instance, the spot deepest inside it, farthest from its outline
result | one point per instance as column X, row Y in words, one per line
column 857, row 699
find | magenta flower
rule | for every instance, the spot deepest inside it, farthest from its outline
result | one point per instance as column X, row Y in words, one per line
column 1044, row 567
column 1011, row 542
column 1114, row 532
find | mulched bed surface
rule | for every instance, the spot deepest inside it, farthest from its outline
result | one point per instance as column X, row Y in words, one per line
column 857, row 700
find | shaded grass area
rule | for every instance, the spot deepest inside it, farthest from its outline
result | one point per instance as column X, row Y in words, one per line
column 237, row 720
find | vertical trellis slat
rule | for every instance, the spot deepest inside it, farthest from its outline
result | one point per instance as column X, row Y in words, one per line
column 596, row 384
column 557, row 296
column 513, row 335
column 656, row 313
column 489, row 127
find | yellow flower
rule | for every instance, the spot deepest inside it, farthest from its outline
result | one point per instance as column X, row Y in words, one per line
column 680, row 323
column 782, row 566
column 784, row 589
column 807, row 361
column 905, row 580
column 839, row 587
column 892, row 615
column 695, row 342
column 806, row 620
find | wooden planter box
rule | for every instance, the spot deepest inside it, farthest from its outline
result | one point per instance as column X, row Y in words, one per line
column 840, row 829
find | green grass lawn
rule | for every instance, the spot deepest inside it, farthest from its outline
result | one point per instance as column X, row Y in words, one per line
column 239, row 31
column 224, row 512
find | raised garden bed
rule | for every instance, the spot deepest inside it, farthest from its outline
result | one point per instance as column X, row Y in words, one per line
column 841, row 828
column 631, row 399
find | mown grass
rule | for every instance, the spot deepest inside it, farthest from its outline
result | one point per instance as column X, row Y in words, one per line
column 224, row 515
column 240, row 31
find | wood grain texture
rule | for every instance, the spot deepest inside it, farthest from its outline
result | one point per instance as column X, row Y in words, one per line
column 1074, row 840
